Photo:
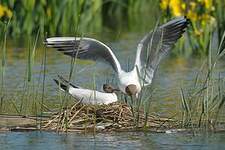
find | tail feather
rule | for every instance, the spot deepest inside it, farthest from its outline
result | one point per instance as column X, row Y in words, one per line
column 64, row 84
column 61, row 85
column 67, row 82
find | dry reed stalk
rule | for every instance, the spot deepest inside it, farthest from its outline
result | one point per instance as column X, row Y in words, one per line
column 108, row 118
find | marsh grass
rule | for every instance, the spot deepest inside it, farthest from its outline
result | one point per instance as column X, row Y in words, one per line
column 202, row 103
column 220, row 17
column 28, row 101
column 3, row 63
column 27, row 97
column 56, row 17
column 43, row 80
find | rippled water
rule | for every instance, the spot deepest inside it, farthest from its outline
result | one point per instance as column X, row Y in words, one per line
column 124, row 140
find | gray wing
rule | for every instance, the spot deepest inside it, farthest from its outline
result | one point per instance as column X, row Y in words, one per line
column 84, row 48
column 156, row 44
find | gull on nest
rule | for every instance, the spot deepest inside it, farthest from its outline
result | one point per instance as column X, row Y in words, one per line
column 88, row 96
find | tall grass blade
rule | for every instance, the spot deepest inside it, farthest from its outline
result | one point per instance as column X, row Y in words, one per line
column 43, row 82
column 3, row 65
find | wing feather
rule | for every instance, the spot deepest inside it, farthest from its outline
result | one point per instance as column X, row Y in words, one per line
column 84, row 48
column 156, row 44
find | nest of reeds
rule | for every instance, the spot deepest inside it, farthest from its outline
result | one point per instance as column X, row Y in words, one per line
column 116, row 116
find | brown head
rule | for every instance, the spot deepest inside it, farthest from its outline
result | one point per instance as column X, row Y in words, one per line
column 131, row 90
column 108, row 88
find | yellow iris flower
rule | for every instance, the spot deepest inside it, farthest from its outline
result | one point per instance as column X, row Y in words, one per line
column 192, row 15
column 5, row 11
column 176, row 6
column 190, row 8
column 207, row 3
column 164, row 4
column 2, row 11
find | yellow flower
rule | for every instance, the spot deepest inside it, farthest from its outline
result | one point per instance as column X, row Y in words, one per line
column 198, row 32
column 191, row 10
column 208, row 4
column 183, row 6
column 164, row 4
column 2, row 11
column 192, row 15
column 176, row 7
column 193, row 5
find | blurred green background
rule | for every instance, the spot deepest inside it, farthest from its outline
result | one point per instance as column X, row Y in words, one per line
column 70, row 17
column 92, row 17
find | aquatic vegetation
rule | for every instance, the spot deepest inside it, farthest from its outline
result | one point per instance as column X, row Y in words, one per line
column 3, row 64
column 202, row 15
column 57, row 17
column 220, row 18
column 51, row 16
column 204, row 101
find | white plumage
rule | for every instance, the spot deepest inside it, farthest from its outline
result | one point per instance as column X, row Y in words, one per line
column 86, row 96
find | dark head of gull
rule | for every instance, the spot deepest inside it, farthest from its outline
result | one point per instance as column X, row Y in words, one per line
column 109, row 89
column 131, row 90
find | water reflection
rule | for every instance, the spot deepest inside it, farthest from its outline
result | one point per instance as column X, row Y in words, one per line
column 125, row 140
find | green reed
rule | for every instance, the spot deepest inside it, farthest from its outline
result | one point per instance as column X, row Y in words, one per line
column 56, row 17
column 3, row 63
column 28, row 99
column 44, row 60
column 220, row 17
column 202, row 103
column 53, row 16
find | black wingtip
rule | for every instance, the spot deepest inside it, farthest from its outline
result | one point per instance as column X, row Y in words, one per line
column 187, row 20
column 61, row 78
column 66, row 81
column 62, row 86
column 56, row 81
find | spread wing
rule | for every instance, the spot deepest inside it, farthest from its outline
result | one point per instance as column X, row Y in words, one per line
column 84, row 48
column 155, row 45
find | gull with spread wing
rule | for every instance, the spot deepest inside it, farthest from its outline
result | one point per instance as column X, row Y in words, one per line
column 150, row 51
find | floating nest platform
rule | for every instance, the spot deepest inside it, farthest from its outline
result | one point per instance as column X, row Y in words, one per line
column 113, row 117
column 82, row 118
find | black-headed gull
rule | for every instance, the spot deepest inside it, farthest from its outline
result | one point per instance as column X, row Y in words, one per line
column 88, row 96
column 150, row 50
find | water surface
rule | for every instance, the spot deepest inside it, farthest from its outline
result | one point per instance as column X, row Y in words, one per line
column 124, row 140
